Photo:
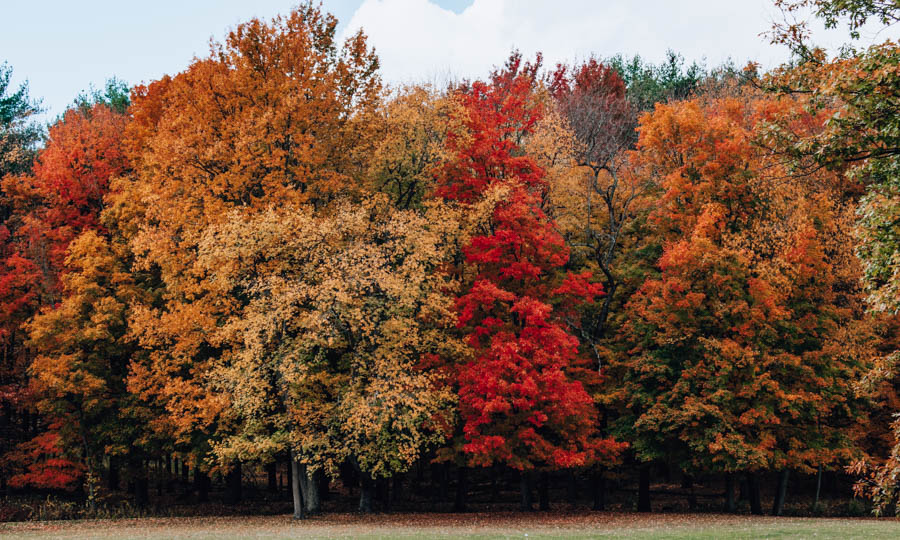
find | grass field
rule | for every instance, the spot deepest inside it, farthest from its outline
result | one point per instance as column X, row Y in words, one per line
column 494, row 525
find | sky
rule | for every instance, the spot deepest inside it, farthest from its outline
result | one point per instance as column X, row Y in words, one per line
column 62, row 47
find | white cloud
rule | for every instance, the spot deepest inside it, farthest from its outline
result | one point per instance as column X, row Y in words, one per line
column 417, row 40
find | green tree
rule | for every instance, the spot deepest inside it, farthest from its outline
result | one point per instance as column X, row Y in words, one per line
column 115, row 94
column 19, row 133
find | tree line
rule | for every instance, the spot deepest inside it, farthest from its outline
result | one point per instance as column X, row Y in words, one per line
column 272, row 257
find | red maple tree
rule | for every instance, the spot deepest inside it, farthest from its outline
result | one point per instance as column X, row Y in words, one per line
column 523, row 398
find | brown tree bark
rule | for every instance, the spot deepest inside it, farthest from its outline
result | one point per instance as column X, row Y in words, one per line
column 295, row 480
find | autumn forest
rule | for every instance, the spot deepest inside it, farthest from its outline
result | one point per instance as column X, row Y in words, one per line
column 273, row 281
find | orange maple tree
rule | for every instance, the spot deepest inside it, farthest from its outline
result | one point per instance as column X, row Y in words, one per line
column 736, row 361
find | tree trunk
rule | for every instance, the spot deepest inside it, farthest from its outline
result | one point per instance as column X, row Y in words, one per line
column 112, row 478
column 91, row 481
column 311, row 493
column 272, row 477
column 141, row 485
column 572, row 488
column 544, row 491
column 527, row 503
column 290, row 479
column 495, row 484
column 397, row 493
column 687, row 483
column 160, row 477
column 324, row 487
column 445, row 482
column 753, row 494
column 233, row 482
column 462, row 488
column 385, row 493
column 730, row 505
column 437, row 485
column 170, row 482
column 644, row 490
column 366, row 493
column 818, row 488
column 419, row 477
column 610, row 285
column 599, row 490
column 202, row 485
column 294, row 480
column 781, row 493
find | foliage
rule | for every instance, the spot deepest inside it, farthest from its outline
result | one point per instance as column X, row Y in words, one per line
column 852, row 13
column 83, row 357
column 648, row 84
column 857, row 90
column 583, row 145
column 19, row 134
column 114, row 94
column 277, row 114
column 62, row 197
column 523, row 398
column 414, row 129
column 43, row 463
column 347, row 313
column 737, row 362
column 270, row 255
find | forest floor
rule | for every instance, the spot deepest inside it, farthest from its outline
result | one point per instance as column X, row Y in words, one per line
column 474, row 525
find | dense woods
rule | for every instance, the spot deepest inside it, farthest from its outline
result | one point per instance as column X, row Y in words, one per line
column 599, row 282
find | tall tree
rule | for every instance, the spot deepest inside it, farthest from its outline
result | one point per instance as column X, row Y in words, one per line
column 79, row 375
column 277, row 114
column 19, row 136
column 524, row 398
column 413, row 132
column 859, row 91
column 64, row 195
column 648, row 84
column 49, row 207
column 19, row 133
column 592, row 194
column 348, row 312
column 736, row 362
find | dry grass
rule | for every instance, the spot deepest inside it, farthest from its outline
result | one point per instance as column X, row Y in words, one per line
column 475, row 525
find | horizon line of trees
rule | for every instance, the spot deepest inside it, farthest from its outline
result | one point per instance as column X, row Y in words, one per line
column 271, row 257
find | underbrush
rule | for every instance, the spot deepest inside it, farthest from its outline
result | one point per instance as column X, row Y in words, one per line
column 667, row 499
column 59, row 507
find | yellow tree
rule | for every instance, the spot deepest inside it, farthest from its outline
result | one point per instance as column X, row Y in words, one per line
column 412, row 143
column 347, row 315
